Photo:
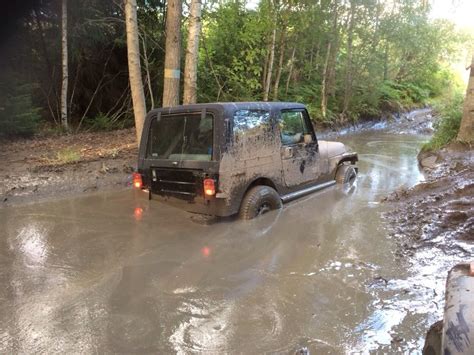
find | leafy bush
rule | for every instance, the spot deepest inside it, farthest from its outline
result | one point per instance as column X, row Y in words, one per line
column 447, row 127
column 18, row 115
column 397, row 96
column 103, row 122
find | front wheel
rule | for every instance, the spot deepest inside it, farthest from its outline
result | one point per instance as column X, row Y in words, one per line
column 259, row 200
column 346, row 174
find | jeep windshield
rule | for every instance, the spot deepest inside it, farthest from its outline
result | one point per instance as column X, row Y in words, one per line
column 181, row 137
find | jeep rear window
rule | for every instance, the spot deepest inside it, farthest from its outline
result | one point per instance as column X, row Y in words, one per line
column 181, row 137
column 251, row 122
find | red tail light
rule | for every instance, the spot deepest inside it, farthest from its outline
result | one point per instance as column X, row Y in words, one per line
column 137, row 181
column 209, row 187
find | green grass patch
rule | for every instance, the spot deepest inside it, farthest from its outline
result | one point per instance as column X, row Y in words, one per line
column 67, row 155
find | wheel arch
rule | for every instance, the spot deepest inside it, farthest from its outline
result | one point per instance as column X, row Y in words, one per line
column 335, row 163
column 260, row 181
column 264, row 181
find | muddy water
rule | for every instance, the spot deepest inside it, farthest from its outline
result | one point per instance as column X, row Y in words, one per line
column 117, row 273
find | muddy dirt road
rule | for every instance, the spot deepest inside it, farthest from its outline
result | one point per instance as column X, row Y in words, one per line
column 113, row 272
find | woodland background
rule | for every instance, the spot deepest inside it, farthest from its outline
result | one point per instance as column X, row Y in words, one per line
column 346, row 59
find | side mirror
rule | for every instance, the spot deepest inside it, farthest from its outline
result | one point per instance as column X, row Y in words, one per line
column 308, row 138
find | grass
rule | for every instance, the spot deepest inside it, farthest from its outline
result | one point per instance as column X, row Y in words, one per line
column 447, row 127
column 67, row 155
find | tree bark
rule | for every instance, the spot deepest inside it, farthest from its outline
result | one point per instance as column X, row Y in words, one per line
column 134, row 68
column 331, row 70
column 64, row 64
column 290, row 71
column 192, row 54
column 348, row 79
column 324, row 91
column 147, row 71
column 280, row 65
column 466, row 130
column 268, row 80
column 173, row 54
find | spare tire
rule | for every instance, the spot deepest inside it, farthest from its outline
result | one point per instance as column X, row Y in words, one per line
column 259, row 200
column 345, row 174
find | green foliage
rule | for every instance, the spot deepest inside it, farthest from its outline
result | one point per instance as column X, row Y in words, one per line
column 394, row 56
column 18, row 115
column 447, row 126
column 396, row 96
column 102, row 122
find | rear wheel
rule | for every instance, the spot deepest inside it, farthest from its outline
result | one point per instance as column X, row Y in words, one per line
column 346, row 174
column 259, row 200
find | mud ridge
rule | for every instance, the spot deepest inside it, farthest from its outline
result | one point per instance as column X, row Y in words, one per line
column 50, row 167
column 438, row 212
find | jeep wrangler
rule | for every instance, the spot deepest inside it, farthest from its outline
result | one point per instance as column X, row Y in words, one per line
column 221, row 159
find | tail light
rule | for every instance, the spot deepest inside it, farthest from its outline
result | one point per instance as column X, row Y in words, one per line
column 137, row 180
column 209, row 187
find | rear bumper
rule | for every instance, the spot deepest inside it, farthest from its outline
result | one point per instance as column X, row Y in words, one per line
column 212, row 207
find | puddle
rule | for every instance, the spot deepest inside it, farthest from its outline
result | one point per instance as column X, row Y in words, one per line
column 114, row 272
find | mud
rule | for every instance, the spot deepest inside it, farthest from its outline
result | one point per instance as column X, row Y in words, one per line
column 48, row 168
column 113, row 272
column 440, row 211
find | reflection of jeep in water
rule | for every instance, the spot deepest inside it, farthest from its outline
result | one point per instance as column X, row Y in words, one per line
column 226, row 158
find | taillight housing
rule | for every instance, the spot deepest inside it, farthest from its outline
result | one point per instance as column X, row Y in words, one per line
column 137, row 180
column 209, row 187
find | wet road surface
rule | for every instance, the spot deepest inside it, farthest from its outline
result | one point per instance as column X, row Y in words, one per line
column 113, row 272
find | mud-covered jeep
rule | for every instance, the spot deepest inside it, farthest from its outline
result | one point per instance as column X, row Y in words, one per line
column 226, row 158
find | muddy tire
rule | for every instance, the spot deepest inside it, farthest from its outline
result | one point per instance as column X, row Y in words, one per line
column 345, row 174
column 259, row 200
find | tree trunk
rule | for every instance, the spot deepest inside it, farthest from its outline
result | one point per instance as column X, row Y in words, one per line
column 173, row 54
column 134, row 68
column 280, row 65
column 348, row 79
column 290, row 71
column 147, row 71
column 466, row 130
column 65, row 71
column 331, row 70
column 192, row 52
column 268, row 80
column 324, row 91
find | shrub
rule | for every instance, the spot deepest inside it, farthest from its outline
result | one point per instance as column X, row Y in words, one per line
column 18, row 115
column 103, row 122
column 67, row 155
column 447, row 127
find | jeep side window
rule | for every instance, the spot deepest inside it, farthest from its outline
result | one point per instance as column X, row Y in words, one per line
column 294, row 128
column 251, row 123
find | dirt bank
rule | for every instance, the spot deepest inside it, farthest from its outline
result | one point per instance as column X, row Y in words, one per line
column 43, row 168
column 440, row 211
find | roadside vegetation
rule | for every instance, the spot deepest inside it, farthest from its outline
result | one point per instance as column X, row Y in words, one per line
column 450, row 112
column 65, row 69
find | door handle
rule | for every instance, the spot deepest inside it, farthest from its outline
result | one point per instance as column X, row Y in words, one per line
column 288, row 152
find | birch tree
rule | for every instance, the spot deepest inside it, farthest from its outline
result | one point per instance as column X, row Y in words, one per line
column 64, row 64
column 192, row 51
column 134, row 68
column 173, row 54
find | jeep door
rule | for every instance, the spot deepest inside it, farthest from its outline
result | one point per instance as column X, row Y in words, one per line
column 299, row 148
